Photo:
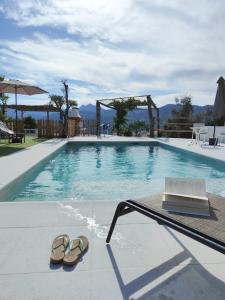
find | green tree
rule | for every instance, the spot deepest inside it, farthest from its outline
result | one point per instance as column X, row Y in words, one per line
column 184, row 108
column 137, row 126
column 182, row 118
column 2, row 116
column 30, row 122
column 59, row 102
column 5, row 117
column 63, row 104
column 72, row 103
column 123, row 107
column 3, row 99
column 120, row 121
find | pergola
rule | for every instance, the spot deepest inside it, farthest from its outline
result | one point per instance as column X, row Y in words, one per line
column 38, row 108
column 141, row 101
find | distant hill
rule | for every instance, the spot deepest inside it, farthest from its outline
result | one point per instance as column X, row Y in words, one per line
column 89, row 112
column 107, row 115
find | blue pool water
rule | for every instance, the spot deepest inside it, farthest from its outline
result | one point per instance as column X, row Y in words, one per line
column 116, row 172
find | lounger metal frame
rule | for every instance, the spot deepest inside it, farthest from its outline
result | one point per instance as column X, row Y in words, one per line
column 128, row 206
column 11, row 134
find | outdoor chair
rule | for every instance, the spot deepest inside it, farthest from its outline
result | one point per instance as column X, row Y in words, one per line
column 221, row 137
column 208, row 230
column 203, row 133
column 104, row 128
column 12, row 136
column 196, row 126
column 198, row 131
column 82, row 128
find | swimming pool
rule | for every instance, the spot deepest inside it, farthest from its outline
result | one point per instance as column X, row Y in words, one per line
column 118, row 171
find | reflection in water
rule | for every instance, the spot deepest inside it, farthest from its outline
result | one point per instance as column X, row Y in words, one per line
column 123, row 161
column 149, row 163
column 151, row 151
column 120, row 149
column 98, row 157
column 68, row 167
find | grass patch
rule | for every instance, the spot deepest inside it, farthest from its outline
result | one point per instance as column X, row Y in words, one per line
column 7, row 149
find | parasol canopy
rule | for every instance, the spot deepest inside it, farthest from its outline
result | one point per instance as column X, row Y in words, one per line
column 219, row 105
column 19, row 87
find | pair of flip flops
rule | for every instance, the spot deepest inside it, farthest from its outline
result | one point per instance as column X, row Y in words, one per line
column 66, row 251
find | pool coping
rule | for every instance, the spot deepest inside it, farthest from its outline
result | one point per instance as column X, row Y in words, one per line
column 215, row 153
column 17, row 166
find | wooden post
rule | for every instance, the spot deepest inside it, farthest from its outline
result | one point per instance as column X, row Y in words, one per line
column 47, row 125
column 39, row 128
column 98, row 118
column 117, row 117
column 150, row 115
column 16, row 108
column 66, row 87
column 158, row 121
column 67, row 107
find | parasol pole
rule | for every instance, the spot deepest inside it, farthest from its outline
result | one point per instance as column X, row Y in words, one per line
column 214, row 129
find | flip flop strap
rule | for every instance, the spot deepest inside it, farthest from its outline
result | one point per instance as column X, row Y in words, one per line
column 71, row 247
column 59, row 245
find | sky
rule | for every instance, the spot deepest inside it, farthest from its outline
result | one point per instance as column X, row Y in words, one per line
column 114, row 48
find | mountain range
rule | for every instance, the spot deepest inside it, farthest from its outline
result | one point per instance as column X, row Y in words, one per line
column 107, row 115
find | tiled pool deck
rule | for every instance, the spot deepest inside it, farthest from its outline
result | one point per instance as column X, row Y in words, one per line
column 144, row 260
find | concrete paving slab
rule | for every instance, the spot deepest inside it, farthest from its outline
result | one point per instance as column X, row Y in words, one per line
column 217, row 152
column 47, row 286
column 27, row 250
column 133, row 244
column 42, row 214
column 185, row 248
column 162, row 282
column 143, row 261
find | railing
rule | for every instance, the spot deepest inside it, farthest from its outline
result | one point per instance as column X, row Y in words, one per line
column 12, row 125
column 31, row 131
column 88, row 127
column 53, row 128
column 49, row 128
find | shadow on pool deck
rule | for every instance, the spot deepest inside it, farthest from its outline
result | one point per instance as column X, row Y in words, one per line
column 5, row 150
column 8, row 149
column 187, row 282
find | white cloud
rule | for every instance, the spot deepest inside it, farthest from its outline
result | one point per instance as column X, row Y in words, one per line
column 164, row 48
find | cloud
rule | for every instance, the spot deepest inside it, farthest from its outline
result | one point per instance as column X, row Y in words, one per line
column 115, row 48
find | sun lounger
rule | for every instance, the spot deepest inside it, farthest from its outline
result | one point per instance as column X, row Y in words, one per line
column 12, row 136
column 208, row 230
